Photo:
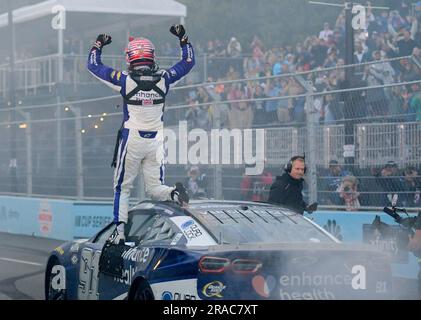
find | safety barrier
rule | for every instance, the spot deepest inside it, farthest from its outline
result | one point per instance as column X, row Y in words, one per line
column 67, row 220
column 50, row 218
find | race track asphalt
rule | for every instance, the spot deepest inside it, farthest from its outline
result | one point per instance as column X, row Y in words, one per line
column 23, row 260
column 22, row 266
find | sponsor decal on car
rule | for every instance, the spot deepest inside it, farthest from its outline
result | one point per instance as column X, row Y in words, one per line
column 263, row 285
column 74, row 259
column 303, row 286
column 176, row 290
column 176, row 239
column 187, row 224
column 194, row 233
column 126, row 275
column 88, row 274
column 214, row 289
column 59, row 250
column 74, row 248
column 167, row 295
column 140, row 255
column 191, row 230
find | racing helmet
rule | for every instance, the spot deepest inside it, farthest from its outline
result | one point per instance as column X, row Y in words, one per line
column 140, row 52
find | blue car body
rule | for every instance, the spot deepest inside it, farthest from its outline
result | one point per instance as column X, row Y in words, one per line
column 218, row 250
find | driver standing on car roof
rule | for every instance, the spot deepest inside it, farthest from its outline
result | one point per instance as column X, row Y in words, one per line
column 140, row 144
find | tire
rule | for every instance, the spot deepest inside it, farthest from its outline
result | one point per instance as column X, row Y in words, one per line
column 143, row 292
column 50, row 292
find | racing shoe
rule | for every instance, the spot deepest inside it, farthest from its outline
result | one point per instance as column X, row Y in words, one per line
column 179, row 194
column 118, row 237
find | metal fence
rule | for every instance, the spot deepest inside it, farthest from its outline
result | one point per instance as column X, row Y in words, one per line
column 64, row 149
column 34, row 74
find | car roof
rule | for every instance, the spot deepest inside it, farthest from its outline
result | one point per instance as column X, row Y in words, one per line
column 197, row 205
column 221, row 210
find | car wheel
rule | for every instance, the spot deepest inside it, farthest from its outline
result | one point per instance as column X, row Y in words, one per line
column 143, row 292
column 52, row 293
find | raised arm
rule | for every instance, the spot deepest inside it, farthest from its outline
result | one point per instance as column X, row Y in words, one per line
column 113, row 78
column 183, row 67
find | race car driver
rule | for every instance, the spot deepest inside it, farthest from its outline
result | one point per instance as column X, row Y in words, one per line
column 140, row 142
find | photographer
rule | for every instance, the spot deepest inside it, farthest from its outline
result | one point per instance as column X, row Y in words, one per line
column 196, row 183
column 409, row 238
column 287, row 189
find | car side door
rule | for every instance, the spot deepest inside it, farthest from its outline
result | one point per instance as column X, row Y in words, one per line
column 115, row 285
column 88, row 273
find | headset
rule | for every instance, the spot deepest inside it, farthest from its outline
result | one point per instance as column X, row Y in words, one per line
column 288, row 166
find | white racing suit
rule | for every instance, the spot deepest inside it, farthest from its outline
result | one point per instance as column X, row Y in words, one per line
column 141, row 143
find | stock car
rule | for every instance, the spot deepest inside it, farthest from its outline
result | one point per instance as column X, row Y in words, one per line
column 216, row 250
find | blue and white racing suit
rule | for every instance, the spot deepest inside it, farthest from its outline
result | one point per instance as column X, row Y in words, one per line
column 141, row 145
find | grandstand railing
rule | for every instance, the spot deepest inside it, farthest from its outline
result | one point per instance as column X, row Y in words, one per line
column 61, row 160
column 33, row 74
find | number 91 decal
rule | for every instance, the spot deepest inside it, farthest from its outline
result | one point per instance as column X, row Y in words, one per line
column 88, row 275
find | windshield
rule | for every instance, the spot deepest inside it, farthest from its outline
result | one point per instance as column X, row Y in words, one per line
column 259, row 224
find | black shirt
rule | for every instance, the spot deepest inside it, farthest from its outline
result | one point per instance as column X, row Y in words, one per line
column 288, row 191
column 406, row 47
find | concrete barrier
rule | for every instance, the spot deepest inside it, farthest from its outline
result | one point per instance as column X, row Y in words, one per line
column 55, row 219
column 68, row 220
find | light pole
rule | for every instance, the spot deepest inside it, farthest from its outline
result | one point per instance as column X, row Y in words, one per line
column 78, row 149
column 12, row 101
column 349, row 147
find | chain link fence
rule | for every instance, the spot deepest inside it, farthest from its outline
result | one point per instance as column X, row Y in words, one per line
column 65, row 148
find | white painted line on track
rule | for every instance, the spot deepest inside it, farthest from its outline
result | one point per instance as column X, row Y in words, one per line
column 21, row 261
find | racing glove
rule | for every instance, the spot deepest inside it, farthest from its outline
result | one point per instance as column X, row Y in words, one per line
column 102, row 40
column 118, row 235
column 179, row 194
column 311, row 208
column 179, row 31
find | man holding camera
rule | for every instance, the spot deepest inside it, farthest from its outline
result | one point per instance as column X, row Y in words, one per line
column 287, row 189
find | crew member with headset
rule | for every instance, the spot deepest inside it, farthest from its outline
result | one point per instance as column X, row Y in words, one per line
column 287, row 189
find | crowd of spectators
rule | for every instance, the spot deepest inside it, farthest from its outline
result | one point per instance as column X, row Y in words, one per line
column 374, row 186
column 389, row 34
column 379, row 50
column 351, row 189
